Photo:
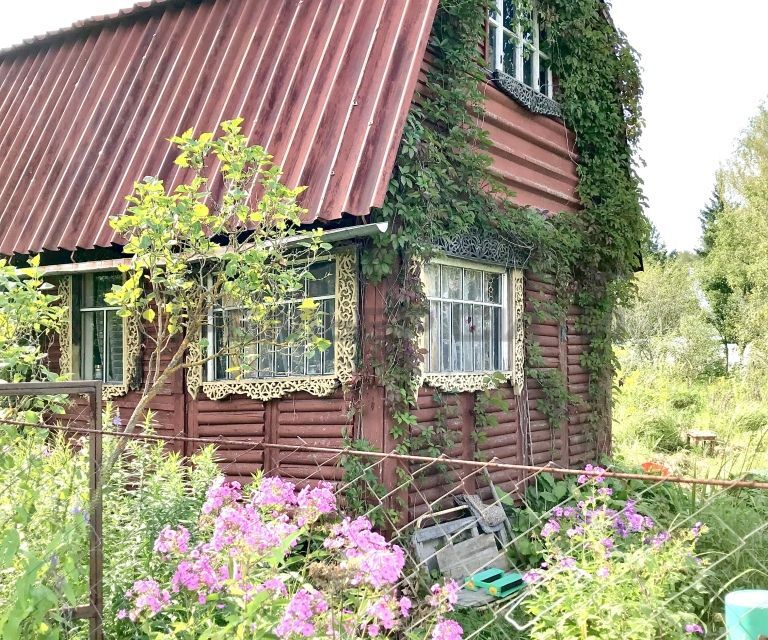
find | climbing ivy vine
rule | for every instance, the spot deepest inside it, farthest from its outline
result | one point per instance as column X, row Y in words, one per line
column 442, row 187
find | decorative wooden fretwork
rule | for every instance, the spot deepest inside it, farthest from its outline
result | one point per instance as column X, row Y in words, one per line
column 526, row 96
column 487, row 246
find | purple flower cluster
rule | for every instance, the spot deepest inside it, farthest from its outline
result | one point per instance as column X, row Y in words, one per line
column 447, row 630
column 172, row 541
column 368, row 557
column 242, row 536
column 299, row 615
column 630, row 521
column 444, row 597
column 595, row 475
column 221, row 493
column 147, row 597
column 386, row 612
column 695, row 629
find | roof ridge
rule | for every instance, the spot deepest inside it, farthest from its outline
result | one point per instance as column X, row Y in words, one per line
column 138, row 8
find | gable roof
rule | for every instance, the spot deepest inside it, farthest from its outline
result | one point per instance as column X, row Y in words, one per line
column 323, row 85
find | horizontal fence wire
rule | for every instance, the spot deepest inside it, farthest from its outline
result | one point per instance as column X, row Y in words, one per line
column 421, row 504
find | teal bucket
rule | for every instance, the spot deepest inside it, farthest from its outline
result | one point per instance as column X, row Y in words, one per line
column 746, row 615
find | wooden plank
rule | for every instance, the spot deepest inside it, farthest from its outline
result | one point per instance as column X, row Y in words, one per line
column 460, row 560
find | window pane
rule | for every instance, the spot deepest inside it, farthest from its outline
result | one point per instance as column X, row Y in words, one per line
column 324, row 280
column 468, row 335
column 96, row 285
column 528, row 67
column 451, row 281
column 493, row 287
column 92, row 365
column 510, row 55
column 479, row 338
column 432, row 277
column 114, row 348
column 509, row 14
column 445, row 337
column 457, row 336
column 543, row 79
column 473, row 284
column 496, row 341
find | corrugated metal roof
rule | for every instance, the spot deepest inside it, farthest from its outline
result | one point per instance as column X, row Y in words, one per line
column 324, row 85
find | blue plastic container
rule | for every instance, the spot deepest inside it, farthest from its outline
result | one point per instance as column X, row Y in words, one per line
column 746, row 615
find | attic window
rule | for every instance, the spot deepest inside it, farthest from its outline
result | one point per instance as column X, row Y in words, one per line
column 515, row 47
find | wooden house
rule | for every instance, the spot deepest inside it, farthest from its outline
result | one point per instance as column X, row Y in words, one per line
column 326, row 87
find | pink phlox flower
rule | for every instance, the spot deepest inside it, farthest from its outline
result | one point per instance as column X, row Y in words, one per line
column 172, row 541
column 378, row 567
column 598, row 479
column 694, row 628
column 445, row 595
column 221, row 493
column 196, row 575
column 314, row 502
column 384, row 611
column 603, row 572
column 660, row 538
column 447, row 630
column 241, row 527
column 275, row 492
column 373, row 630
column 298, row 616
column 147, row 596
column 273, row 584
column 405, row 606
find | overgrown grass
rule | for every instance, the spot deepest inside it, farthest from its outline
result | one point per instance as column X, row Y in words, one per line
column 655, row 409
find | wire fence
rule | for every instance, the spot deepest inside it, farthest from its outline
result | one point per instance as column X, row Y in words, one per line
column 453, row 518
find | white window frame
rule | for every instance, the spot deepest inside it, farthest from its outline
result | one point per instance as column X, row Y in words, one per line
column 497, row 31
column 512, row 335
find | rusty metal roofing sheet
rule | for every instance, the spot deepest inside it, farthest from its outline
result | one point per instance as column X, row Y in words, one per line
column 324, row 85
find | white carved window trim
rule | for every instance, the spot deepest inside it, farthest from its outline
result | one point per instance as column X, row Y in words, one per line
column 131, row 344
column 512, row 342
column 345, row 351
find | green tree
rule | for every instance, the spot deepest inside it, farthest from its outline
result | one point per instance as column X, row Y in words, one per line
column 708, row 216
column 201, row 245
column 735, row 278
column 28, row 315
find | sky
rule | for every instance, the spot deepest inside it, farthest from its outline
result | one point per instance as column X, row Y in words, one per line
column 702, row 69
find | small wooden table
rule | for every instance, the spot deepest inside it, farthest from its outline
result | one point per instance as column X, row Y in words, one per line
column 705, row 438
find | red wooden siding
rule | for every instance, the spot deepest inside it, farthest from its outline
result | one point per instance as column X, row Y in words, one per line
column 582, row 441
column 324, row 85
column 533, row 155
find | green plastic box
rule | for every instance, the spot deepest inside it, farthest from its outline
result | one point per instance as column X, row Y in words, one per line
column 746, row 615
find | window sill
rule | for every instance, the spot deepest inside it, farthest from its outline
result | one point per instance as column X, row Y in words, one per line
column 270, row 388
column 525, row 96
column 467, row 382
